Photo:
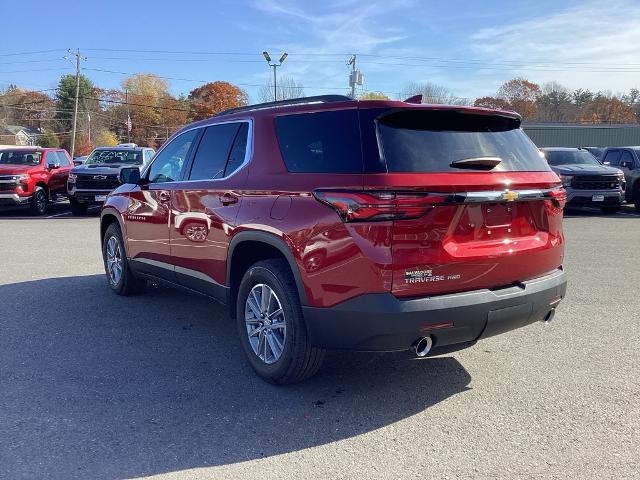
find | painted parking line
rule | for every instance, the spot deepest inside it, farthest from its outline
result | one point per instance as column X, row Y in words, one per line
column 59, row 215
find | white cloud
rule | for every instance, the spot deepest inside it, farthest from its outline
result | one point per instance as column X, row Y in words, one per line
column 593, row 45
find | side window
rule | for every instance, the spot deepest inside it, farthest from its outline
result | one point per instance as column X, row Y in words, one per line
column 324, row 142
column 210, row 159
column 612, row 158
column 62, row 159
column 626, row 159
column 238, row 151
column 148, row 154
column 167, row 165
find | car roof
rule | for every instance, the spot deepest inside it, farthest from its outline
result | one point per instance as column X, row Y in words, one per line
column 334, row 102
column 29, row 148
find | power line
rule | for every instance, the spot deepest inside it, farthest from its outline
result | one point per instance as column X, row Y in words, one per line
column 32, row 52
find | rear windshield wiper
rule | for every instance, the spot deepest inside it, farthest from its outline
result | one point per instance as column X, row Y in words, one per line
column 477, row 163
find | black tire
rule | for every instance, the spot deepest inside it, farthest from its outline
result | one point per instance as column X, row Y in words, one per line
column 77, row 209
column 299, row 359
column 610, row 210
column 127, row 283
column 39, row 202
column 636, row 199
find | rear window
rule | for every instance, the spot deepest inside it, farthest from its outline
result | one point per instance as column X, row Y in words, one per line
column 570, row 157
column 430, row 140
column 322, row 142
column 20, row 157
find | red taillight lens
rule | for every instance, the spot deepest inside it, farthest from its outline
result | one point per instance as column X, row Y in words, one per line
column 359, row 206
column 559, row 197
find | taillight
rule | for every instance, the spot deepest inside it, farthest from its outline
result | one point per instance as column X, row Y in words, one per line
column 360, row 206
column 559, row 197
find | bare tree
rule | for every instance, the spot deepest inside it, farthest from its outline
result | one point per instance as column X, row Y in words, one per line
column 433, row 93
column 554, row 103
column 287, row 87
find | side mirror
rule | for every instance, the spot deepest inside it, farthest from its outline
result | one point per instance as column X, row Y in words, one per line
column 130, row 175
column 53, row 166
column 626, row 164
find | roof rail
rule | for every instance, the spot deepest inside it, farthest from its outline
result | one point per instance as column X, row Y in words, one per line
column 291, row 101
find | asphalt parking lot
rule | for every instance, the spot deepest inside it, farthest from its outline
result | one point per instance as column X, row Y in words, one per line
column 97, row 386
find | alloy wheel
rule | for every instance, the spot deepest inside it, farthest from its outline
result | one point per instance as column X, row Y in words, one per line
column 114, row 261
column 265, row 323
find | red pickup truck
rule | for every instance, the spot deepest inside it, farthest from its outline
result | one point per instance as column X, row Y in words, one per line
column 33, row 176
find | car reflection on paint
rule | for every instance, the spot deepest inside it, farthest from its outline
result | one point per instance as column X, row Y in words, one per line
column 194, row 226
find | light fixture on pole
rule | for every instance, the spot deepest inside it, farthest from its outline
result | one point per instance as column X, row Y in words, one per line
column 267, row 57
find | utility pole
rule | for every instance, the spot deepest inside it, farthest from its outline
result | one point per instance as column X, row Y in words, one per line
column 129, row 126
column 75, row 108
column 355, row 77
column 274, row 65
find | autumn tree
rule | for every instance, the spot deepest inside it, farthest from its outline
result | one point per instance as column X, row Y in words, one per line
column 521, row 95
column 286, row 88
column 49, row 139
column 214, row 97
column 492, row 102
column 144, row 93
column 373, row 96
column 606, row 108
column 26, row 108
column 105, row 138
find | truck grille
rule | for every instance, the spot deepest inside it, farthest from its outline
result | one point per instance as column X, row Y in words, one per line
column 90, row 182
column 7, row 187
column 596, row 182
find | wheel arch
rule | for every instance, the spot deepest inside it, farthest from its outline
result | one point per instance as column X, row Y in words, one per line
column 268, row 245
column 107, row 217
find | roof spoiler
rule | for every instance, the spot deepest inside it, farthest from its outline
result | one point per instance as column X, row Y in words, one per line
column 291, row 101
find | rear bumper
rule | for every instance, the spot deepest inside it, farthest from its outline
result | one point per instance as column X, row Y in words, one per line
column 13, row 199
column 382, row 322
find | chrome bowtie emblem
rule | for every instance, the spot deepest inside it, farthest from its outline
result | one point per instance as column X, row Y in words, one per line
column 99, row 177
column 510, row 196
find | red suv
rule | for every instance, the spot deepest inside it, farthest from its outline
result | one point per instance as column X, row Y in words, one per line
column 33, row 176
column 329, row 223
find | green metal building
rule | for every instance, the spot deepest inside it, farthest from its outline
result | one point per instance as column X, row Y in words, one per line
column 578, row 135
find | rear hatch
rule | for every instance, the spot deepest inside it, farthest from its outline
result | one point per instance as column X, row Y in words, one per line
column 473, row 203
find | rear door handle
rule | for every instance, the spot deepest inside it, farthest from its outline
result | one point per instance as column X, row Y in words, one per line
column 228, row 199
column 164, row 196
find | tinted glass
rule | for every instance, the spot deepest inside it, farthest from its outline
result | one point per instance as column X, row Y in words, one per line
column 20, row 157
column 429, row 141
column 324, row 142
column 62, row 159
column 612, row 157
column 167, row 165
column 570, row 157
column 238, row 151
column 626, row 157
column 118, row 157
column 211, row 158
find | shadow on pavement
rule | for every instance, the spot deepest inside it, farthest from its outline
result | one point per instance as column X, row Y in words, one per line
column 100, row 386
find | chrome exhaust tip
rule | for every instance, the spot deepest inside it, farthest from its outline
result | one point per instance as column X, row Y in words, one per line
column 549, row 316
column 422, row 346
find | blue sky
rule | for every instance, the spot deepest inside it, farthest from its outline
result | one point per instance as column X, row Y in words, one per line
column 470, row 47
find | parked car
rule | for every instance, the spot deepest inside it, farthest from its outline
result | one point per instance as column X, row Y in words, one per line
column 626, row 159
column 588, row 183
column 33, row 176
column 327, row 222
column 90, row 183
column 595, row 151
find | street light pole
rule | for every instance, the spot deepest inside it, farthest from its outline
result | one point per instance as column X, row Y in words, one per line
column 275, row 65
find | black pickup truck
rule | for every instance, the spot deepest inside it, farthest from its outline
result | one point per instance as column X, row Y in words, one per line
column 91, row 182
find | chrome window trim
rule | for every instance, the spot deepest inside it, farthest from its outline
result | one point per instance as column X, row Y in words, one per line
column 248, row 154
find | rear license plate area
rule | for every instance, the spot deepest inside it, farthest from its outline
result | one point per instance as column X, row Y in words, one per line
column 498, row 214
